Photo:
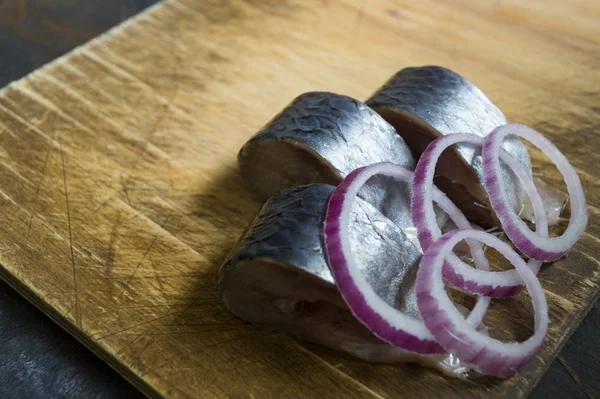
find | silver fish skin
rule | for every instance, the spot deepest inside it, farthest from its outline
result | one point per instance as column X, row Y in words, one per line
column 425, row 102
column 277, row 275
column 289, row 229
column 320, row 138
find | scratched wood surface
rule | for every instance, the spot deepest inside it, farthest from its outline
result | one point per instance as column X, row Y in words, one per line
column 120, row 195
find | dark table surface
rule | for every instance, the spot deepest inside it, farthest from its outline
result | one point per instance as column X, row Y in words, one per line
column 40, row 360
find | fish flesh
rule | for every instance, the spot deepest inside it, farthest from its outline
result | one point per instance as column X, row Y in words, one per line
column 320, row 138
column 423, row 103
column 277, row 276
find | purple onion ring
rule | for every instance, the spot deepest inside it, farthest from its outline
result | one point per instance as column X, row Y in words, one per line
column 529, row 242
column 386, row 322
column 465, row 278
column 447, row 324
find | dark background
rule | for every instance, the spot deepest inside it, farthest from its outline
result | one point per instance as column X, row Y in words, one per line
column 40, row 360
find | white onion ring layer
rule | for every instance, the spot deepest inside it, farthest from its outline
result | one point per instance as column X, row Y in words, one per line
column 448, row 325
column 529, row 242
column 383, row 320
column 475, row 281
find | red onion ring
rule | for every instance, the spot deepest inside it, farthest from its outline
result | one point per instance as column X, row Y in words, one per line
column 386, row 322
column 475, row 281
column 447, row 324
column 534, row 245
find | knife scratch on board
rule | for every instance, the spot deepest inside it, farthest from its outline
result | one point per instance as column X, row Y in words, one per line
column 74, row 269
column 158, row 279
column 127, row 284
column 125, row 190
column 37, row 192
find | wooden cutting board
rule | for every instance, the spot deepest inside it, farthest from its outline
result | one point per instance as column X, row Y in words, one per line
column 120, row 196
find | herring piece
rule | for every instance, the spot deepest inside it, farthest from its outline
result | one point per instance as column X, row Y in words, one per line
column 277, row 276
column 423, row 103
column 320, row 138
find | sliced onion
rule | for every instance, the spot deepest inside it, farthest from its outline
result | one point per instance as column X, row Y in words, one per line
column 534, row 245
column 462, row 276
column 383, row 320
column 449, row 327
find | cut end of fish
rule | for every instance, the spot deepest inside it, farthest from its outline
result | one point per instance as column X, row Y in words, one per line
column 270, row 165
column 454, row 175
column 423, row 103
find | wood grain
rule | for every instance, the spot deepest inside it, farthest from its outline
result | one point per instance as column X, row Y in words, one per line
column 120, row 195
